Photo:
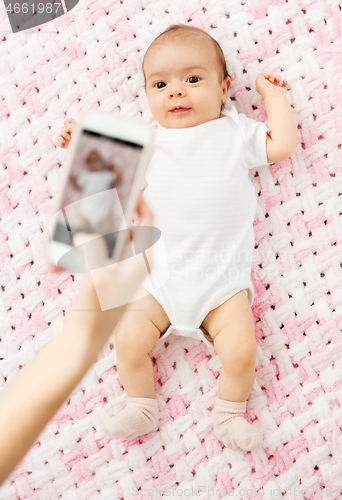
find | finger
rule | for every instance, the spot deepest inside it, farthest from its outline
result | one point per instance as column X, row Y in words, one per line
column 144, row 212
column 137, row 206
column 270, row 78
column 60, row 138
column 95, row 253
column 65, row 135
column 67, row 128
column 138, row 203
column 145, row 238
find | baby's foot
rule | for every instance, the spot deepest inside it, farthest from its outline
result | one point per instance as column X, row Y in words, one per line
column 139, row 417
column 232, row 428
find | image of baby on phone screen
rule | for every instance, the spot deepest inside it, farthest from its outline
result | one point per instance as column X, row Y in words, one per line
column 96, row 177
column 203, row 201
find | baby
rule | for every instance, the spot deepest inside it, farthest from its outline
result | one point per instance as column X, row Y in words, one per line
column 95, row 178
column 204, row 203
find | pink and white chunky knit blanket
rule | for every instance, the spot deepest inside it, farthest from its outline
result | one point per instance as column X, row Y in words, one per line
column 91, row 59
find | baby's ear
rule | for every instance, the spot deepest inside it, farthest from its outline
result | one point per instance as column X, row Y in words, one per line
column 225, row 88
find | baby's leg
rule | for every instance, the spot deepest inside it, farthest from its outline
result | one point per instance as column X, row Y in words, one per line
column 231, row 326
column 139, row 329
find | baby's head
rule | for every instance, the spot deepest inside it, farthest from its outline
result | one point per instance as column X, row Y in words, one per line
column 94, row 161
column 185, row 67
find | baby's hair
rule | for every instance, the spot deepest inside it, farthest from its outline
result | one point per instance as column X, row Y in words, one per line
column 95, row 152
column 91, row 153
column 185, row 33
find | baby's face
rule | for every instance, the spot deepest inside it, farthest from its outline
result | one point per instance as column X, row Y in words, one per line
column 94, row 163
column 186, row 77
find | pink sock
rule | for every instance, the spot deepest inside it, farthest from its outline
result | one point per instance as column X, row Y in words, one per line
column 139, row 417
column 232, row 428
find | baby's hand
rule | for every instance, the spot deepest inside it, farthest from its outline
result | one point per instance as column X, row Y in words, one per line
column 268, row 84
column 64, row 137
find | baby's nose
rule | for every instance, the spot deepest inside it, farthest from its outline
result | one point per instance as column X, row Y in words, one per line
column 176, row 91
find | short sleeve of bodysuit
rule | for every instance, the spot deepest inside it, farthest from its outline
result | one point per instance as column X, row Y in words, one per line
column 254, row 139
column 82, row 179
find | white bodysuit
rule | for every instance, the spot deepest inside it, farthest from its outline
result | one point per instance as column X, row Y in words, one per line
column 204, row 203
column 97, row 200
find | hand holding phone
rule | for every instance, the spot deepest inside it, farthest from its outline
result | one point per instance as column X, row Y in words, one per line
column 101, row 189
column 105, row 170
column 122, row 280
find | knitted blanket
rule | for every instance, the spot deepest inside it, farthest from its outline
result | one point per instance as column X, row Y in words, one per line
column 91, row 58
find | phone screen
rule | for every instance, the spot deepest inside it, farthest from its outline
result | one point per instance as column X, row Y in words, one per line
column 98, row 189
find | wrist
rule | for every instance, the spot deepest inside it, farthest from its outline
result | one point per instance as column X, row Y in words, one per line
column 275, row 94
column 91, row 330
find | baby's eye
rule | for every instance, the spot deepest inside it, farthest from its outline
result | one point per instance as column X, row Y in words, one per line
column 158, row 85
column 193, row 79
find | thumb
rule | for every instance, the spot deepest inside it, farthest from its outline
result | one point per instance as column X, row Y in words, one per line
column 95, row 253
column 144, row 212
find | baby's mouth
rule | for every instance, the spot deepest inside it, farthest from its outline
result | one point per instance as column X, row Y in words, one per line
column 179, row 109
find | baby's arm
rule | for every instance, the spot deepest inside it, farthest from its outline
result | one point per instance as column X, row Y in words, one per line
column 74, row 183
column 116, row 174
column 281, row 141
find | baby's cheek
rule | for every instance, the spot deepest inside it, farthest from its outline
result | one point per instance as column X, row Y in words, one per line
column 155, row 106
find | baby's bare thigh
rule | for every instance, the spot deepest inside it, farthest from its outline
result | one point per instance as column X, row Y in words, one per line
column 140, row 327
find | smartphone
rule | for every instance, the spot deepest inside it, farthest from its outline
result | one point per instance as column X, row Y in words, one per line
column 104, row 175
